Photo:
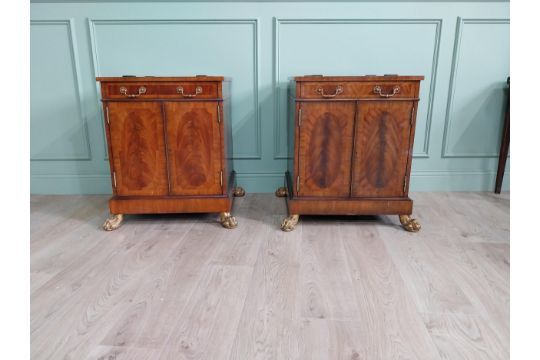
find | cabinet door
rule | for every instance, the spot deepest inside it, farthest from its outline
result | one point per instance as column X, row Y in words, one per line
column 381, row 148
column 325, row 148
column 194, row 147
column 138, row 148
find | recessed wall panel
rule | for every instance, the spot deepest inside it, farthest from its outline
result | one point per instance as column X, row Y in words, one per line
column 184, row 48
column 478, row 90
column 57, row 127
column 357, row 47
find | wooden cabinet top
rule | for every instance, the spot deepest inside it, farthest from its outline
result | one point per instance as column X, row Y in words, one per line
column 358, row 78
column 161, row 78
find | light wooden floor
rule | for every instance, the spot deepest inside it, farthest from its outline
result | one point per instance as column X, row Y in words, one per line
column 182, row 287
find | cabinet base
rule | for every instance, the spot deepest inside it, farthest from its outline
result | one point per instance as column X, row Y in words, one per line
column 165, row 205
column 222, row 204
column 120, row 206
column 297, row 206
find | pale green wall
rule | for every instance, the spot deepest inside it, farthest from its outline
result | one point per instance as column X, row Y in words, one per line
column 461, row 48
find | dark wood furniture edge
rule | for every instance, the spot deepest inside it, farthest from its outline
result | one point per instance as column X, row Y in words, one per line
column 505, row 145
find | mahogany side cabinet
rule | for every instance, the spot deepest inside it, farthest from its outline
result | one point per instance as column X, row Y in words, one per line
column 350, row 141
column 169, row 145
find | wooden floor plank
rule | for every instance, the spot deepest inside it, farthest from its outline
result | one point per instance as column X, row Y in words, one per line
column 57, row 215
column 429, row 281
column 477, row 263
column 122, row 353
column 323, row 339
column 464, row 337
column 393, row 327
column 180, row 286
column 211, row 315
column 84, row 300
column 86, row 271
column 255, row 225
column 469, row 215
column 158, row 304
column 270, row 304
column 326, row 289
column 485, row 284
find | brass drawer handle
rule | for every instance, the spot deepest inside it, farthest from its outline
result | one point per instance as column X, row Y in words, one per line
column 339, row 90
column 378, row 90
column 180, row 90
column 124, row 91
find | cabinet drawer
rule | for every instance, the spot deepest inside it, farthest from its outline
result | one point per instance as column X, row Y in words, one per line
column 369, row 90
column 189, row 90
column 176, row 90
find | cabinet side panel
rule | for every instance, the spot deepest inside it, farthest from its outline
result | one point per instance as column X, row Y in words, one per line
column 411, row 146
column 227, row 134
column 108, row 139
column 291, row 131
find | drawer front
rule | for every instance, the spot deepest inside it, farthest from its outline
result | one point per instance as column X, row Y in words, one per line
column 181, row 90
column 189, row 90
column 365, row 90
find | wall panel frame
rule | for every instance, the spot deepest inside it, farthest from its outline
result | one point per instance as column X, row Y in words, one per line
column 279, row 22
column 76, row 73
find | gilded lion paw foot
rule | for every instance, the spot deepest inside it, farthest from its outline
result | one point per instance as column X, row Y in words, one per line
column 281, row 192
column 239, row 191
column 227, row 220
column 113, row 222
column 409, row 223
column 289, row 223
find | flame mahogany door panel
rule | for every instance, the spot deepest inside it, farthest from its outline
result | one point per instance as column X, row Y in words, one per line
column 325, row 148
column 138, row 148
column 194, row 147
column 381, row 148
